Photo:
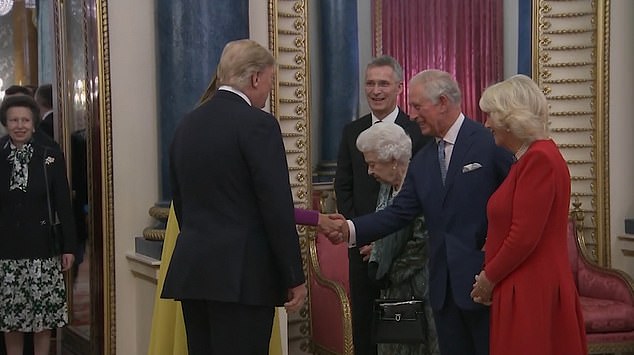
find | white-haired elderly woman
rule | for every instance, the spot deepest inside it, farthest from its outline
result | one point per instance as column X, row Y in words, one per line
column 527, row 278
column 398, row 261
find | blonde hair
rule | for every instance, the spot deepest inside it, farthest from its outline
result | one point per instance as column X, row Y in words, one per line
column 517, row 104
column 239, row 60
column 210, row 91
column 388, row 140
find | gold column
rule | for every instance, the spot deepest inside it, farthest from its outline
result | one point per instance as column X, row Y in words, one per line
column 24, row 44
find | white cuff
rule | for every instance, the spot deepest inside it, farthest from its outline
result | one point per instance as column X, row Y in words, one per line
column 352, row 240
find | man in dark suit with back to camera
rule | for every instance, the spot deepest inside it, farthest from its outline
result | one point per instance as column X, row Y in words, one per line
column 450, row 183
column 44, row 99
column 237, row 255
column 357, row 192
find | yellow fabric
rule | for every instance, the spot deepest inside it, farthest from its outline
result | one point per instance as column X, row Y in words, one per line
column 168, row 327
column 275, row 344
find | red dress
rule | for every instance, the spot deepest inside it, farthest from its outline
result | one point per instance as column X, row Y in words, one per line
column 535, row 306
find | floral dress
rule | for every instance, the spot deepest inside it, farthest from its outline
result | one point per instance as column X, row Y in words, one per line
column 32, row 290
column 401, row 258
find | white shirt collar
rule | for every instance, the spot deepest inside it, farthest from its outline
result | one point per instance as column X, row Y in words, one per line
column 389, row 118
column 452, row 133
column 235, row 91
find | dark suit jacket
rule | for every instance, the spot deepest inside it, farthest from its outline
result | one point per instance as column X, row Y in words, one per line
column 24, row 217
column 455, row 213
column 47, row 125
column 356, row 191
column 232, row 199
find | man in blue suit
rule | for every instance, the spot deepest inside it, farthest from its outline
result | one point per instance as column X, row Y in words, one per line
column 449, row 183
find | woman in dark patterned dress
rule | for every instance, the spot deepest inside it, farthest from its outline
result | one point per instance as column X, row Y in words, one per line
column 400, row 258
column 32, row 294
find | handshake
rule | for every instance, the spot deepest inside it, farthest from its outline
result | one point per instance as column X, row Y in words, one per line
column 334, row 227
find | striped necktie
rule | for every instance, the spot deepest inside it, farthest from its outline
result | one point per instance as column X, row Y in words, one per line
column 441, row 160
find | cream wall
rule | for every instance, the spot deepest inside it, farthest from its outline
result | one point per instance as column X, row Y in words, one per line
column 621, row 109
column 134, row 143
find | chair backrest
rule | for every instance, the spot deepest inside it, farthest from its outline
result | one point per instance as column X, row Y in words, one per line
column 592, row 280
column 329, row 295
column 331, row 324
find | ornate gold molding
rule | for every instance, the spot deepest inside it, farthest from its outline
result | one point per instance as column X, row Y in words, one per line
column 378, row 27
column 105, row 117
column 288, row 41
column 571, row 64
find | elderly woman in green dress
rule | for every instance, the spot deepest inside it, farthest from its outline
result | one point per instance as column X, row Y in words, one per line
column 398, row 261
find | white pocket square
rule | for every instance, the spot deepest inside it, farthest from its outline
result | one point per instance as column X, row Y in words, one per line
column 471, row 167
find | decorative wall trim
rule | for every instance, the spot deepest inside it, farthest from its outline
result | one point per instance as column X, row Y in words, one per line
column 288, row 41
column 571, row 65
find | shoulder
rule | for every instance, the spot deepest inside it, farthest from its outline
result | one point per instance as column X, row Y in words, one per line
column 542, row 151
column 403, row 120
column 357, row 126
column 475, row 134
column 473, row 127
column 361, row 122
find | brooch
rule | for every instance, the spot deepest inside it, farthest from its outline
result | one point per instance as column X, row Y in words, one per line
column 49, row 160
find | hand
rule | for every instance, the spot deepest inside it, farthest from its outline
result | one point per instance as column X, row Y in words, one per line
column 296, row 298
column 365, row 251
column 67, row 261
column 341, row 234
column 328, row 222
column 482, row 289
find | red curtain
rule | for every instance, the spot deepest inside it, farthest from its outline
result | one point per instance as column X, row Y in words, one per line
column 462, row 37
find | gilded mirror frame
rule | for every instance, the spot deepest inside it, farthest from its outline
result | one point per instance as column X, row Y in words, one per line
column 100, row 176
column 571, row 46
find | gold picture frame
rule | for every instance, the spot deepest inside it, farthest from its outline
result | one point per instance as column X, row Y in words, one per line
column 98, row 117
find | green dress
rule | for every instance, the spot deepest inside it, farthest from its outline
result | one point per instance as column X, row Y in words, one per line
column 401, row 257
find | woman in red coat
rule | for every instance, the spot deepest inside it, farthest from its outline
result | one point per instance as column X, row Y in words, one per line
column 527, row 278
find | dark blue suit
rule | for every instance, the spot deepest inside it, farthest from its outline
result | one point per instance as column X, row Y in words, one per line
column 456, row 219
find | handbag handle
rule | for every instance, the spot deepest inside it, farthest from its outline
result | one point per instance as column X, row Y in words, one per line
column 48, row 193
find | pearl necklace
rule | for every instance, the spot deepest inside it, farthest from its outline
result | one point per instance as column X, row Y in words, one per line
column 521, row 151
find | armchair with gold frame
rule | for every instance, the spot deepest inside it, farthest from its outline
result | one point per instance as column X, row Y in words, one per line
column 606, row 295
column 331, row 320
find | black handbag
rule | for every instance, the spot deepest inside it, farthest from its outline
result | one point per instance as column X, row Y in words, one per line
column 399, row 321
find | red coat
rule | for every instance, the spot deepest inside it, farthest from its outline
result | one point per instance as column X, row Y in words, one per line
column 535, row 306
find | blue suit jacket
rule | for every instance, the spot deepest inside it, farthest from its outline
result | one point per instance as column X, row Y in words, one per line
column 455, row 213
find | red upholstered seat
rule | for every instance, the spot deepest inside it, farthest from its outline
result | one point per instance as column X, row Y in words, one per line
column 331, row 320
column 606, row 297
column 606, row 316
column 329, row 292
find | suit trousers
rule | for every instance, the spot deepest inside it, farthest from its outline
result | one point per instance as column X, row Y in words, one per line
column 461, row 331
column 220, row 328
column 362, row 295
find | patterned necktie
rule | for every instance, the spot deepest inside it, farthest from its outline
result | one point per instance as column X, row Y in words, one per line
column 441, row 160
